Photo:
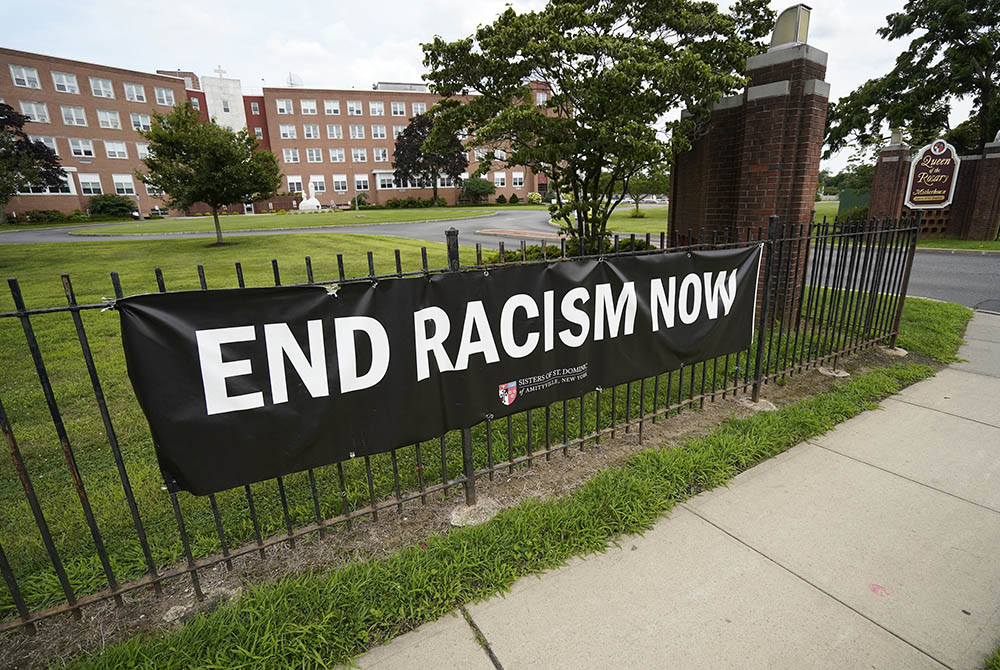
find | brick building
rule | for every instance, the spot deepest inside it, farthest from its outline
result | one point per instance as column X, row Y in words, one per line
column 90, row 115
column 339, row 140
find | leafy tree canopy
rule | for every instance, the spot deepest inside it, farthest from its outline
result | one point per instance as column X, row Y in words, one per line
column 23, row 162
column 416, row 159
column 194, row 162
column 478, row 188
column 954, row 54
column 610, row 69
column 646, row 184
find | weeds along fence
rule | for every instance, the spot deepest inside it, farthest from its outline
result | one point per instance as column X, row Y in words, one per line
column 86, row 517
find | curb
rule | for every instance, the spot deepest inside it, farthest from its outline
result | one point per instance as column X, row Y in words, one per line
column 285, row 230
column 970, row 252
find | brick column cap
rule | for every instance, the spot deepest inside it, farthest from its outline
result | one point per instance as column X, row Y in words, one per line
column 786, row 53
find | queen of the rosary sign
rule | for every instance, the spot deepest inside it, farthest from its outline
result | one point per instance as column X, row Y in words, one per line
column 933, row 174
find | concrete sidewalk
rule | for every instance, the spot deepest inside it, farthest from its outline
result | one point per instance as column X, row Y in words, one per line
column 876, row 545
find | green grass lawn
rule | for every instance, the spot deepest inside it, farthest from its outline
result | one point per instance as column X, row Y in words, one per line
column 32, row 226
column 946, row 243
column 268, row 221
column 653, row 221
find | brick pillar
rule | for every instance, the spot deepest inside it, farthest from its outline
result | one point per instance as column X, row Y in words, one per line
column 889, row 186
column 984, row 204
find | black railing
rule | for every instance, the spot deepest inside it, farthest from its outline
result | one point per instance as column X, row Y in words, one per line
column 825, row 291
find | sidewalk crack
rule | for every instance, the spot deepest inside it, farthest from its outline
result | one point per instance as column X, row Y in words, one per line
column 480, row 638
column 941, row 411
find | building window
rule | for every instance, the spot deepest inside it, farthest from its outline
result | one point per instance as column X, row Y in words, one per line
column 354, row 108
column 500, row 179
column 310, row 131
column 359, row 155
column 517, row 179
column 340, row 183
column 135, row 92
column 337, row 156
column 90, row 184
column 307, row 106
column 50, row 142
column 164, row 96
column 380, row 155
column 317, row 182
column 334, row 131
column 361, row 182
column 287, row 131
column 196, row 104
column 254, row 108
column 397, row 131
column 357, row 132
column 541, row 97
column 140, row 121
column 314, row 155
column 376, row 108
column 115, row 149
column 284, row 105
column 480, row 153
column 446, row 181
column 385, row 181
column 378, row 132
column 73, row 116
column 290, row 155
column 107, row 119
column 123, row 184
column 154, row 191
column 259, row 133
column 25, row 77
column 101, row 88
column 65, row 82
column 331, row 107
column 419, row 108
column 81, row 148
column 500, row 154
column 398, row 109
column 142, row 150
column 225, row 106
column 38, row 112
column 294, row 184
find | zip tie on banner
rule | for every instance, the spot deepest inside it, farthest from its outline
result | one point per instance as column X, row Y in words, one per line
column 109, row 303
column 332, row 290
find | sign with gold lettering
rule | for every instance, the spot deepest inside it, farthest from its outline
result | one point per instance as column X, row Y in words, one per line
column 933, row 174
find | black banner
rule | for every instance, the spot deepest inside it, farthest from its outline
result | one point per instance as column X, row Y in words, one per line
column 243, row 385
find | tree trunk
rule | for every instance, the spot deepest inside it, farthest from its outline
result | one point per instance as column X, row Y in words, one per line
column 434, row 185
column 218, row 226
column 3, row 216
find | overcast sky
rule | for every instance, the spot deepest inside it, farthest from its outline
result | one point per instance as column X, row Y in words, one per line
column 351, row 44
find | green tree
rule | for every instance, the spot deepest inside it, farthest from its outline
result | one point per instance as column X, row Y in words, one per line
column 23, row 162
column 193, row 162
column 478, row 188
column 417, row 159
column 610, row 70
column 954, row 53
column 111, row 204
column 645, row 184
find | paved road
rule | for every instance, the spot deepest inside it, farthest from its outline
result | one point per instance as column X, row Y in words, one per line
column 972, row 280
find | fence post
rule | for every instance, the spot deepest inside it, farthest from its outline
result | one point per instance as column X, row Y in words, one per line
column 911, row 252
column 772, row 232
column 468, row 465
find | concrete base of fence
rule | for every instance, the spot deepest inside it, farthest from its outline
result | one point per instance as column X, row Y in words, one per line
column 894, row 351
column 831, row 372
column 470, row 515
column 761, row 405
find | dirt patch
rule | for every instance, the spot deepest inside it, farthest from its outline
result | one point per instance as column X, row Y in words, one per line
column 61, row 638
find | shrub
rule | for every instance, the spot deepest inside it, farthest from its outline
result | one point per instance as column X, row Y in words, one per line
column 535, row 198
column 112, row 204
column 514, row 199
column 476, row 188
column 439, row 202
column 281, row 211
column 45, row 216
column 854, row 213
column 531, row 253
column 501, row 200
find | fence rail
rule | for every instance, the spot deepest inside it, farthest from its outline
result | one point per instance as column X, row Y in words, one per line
column 825, row 291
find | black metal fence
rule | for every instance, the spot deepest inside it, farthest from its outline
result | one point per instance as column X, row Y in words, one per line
column 100, row 524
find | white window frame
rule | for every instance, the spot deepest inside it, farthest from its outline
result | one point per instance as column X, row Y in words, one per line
column 138, row 122
column 142, row 150
column 164, row 96
column 398, row 108
column 293, row 181
column 338, row 155
column 380, row 155
column 308, row 107
column 255, row 108
column 82, row 149
column 47, row 140
column 314, row 151
column 35, row 107
column 397, row 131
column 517, row 179
column 102, row 88
column 310, row 131
column 355, row 108
column 339, row 183
column 134, row 92
column 123, row 179
column 385, row 182
column 258, row 133
column 153, row 191
column 356, row 131
column 109, row 119
column 290, row 155
column 359, row 155
column 445, row 181
column 318, row 181
column 500, row 179
column 196, row 104
column 331, row 107
column 541, row 97
column 288, row 131
column 68, row 82
column 419, row 108
column 378, row 131
column 112, row 148
column 334, row 131
column 284, row 106
column 27, row 75
column 90, row 179
column 73, row 109
column 361, row 183
column 225, row 106
column 376, row 108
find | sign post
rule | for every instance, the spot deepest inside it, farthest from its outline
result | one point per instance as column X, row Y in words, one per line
column 933, row 174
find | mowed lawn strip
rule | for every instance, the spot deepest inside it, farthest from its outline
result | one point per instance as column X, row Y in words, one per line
column 278, row 221
column 316, row 620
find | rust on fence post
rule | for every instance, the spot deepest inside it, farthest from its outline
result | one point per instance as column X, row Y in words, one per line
column 906, row 278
